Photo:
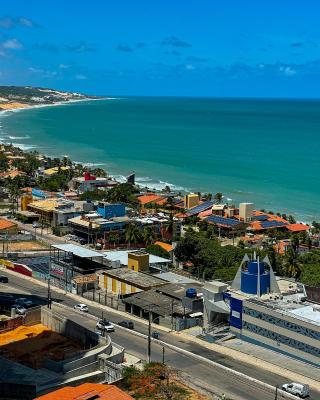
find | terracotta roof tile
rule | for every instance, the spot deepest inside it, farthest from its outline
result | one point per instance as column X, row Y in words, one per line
column 87, row 391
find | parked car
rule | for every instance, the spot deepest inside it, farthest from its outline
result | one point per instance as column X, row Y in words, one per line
column 127, row 324
column 24, row 302
column 20, row 310
column 4, row 279
column 81, row 307
column 104, row 325
column 36, row 225
column 297, row 389
column 82, row 241
column 155, row 334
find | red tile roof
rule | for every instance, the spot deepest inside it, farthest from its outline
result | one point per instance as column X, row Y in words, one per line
column 149, row 198
column 87, row 391
column 297, row 227
column 4, row 224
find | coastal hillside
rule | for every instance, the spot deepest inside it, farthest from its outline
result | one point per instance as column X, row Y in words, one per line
column 23, row 96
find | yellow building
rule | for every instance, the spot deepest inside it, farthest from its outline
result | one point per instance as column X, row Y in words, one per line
column 25, row 201
column 138, row 261
column 55, row 170
column 123, row 281
column 191, row 200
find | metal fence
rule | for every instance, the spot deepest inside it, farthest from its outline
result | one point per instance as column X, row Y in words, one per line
column 104, row 298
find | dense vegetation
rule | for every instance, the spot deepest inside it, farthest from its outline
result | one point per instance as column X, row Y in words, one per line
column 154, row 381
column 210, row 260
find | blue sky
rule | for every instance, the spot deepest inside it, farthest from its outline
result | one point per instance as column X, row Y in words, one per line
column 167, row 47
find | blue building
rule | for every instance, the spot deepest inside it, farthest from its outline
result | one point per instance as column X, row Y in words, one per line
column 108, row 211
column 267, row 311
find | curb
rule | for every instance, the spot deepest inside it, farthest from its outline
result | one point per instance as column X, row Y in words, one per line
column 312, row 382
column 240, row 375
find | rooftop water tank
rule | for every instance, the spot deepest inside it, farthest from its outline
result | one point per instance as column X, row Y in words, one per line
column 191, row 293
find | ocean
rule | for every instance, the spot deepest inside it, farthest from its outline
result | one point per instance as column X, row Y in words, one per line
column 260, row 151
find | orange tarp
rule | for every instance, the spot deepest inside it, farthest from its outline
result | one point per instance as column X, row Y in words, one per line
column 166, row 246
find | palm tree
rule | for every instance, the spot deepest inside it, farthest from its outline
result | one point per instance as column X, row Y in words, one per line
column 218, row 197
column 132, row 234
column 148, row 235
column 14, row 194
column 291, row 264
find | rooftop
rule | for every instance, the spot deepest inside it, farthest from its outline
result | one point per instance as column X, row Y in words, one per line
column 122, row 257
column 175, row 278
column 293, row 305
column 87, row 391
column 138, row 279
column 157, row 302
column 166, row 246
column 78, row 251
column 55, row 170
column 56, row 204
column 178, row 291
column 5, row 224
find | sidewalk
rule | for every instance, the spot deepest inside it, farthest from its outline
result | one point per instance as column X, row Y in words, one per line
column 279, row 366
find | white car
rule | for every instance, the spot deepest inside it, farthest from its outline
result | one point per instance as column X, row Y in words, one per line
column 104, row 325
column 297, row 389
column 19, row 309
column 81, row 307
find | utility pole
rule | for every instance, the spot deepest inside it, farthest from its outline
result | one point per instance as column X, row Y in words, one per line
column 163, row 350
column 276, row 395
column 49, row 288
column 149, row 337
column 172, row 303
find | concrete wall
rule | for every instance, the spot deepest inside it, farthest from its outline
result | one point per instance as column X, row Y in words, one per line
column 69, row 328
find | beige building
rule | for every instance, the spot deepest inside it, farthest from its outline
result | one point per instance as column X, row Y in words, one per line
column 246, row 211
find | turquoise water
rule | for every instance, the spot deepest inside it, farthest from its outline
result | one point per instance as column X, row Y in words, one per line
column 264, row 151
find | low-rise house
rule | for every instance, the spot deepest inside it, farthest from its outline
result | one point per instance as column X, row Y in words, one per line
column 87, row 391
column 8, row 227
column 124, row 281
column 56, row 211
column 88, row 182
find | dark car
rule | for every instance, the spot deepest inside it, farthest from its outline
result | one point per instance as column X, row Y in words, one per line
column 127, row 324
column 4, row 279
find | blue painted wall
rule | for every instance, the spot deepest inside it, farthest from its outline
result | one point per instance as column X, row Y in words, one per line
column 249, row 279
column 111, row 210
column 236, row 313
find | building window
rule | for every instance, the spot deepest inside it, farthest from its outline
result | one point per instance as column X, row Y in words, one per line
column 281, row 339
column 282, row 323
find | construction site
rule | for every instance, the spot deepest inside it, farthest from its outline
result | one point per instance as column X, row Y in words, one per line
column 43, row 351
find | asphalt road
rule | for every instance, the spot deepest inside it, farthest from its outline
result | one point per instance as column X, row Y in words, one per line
column 202, row 373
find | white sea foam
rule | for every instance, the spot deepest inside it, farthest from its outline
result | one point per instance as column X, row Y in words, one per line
column 19, row 137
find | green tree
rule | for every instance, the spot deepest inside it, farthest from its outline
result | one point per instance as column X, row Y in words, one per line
column 3, row 162
column 218, row 197
column 123, row 193
column 148, row 235
column 157, row 250
column 132, row 234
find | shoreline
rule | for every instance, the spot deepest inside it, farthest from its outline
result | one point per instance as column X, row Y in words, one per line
column 58, row 103
column 141, row 181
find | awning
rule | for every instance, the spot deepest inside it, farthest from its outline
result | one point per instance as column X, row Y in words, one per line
column 196, row 314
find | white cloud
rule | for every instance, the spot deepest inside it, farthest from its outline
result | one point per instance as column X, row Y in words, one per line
column 36, row 70
column 81, row 77
column 287, row 70
column 190, row 67
column 12, row 44
column 64, row 66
